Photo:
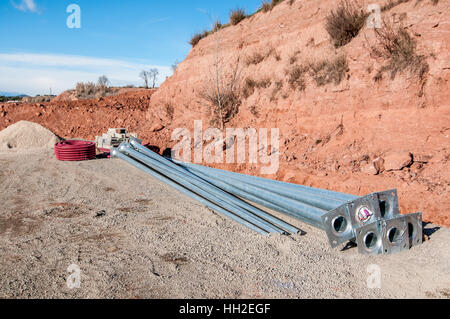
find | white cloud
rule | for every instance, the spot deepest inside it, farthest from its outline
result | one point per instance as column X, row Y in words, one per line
column 33, row 74
column 26, row 5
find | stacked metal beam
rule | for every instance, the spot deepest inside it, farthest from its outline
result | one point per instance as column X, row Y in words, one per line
column 200, row 190
column 372, row 221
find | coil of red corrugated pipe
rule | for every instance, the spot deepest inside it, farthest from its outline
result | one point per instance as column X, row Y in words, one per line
column 74, row 151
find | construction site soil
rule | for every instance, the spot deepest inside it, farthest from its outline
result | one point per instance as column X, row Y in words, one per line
column 357, row 136
column 422, row 177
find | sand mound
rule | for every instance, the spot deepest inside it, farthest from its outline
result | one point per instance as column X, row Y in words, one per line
column 27, row 135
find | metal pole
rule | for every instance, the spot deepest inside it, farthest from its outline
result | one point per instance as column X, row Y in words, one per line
column 273, row 184
column 217, row 191
column 116, row 154
column 313, row 199
column 306, row 213
column 247, row 196
column 198, row 188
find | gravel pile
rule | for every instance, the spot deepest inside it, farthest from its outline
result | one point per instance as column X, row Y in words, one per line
column 27, row 135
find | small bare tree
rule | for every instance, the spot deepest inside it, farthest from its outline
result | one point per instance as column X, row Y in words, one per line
column 103, row 81
column 144, row 75
column 222, row 90
column 153, row 75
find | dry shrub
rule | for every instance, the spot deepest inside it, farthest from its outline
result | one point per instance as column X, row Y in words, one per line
column 255, row 111
column 35, row 99
column 322, row 72
column 217, row 26
column 257, row 57
column 399, row 48
column 170, row 110
column 225, row 107
column 222, row 93
column 266, row 6
column 292, row 59
column 250, row 85
column 89, row 90
column 276, row 89
column 296, row 77
column 345, row 23
column 197, row 37
column 85, row 90
column 328, row 71
column 237, row 15
column 276, row 2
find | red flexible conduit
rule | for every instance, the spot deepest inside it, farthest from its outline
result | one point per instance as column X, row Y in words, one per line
column 75, row 151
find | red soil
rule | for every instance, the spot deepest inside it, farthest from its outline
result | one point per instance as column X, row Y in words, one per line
column 83, row 118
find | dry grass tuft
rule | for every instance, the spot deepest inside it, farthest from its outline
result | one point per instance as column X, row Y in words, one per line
column 399, row 48
column 237, row 15
column 328, row 71
column 345, row 23
column 322, row 72
column 196, row 38
column 250, row 85
column 276, row 89
column 257, row 57
column 217, row 26
column 266, row 6
column 296, row 77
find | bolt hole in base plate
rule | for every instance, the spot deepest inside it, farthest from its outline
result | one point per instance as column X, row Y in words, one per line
column 340, row 224
column 393, row 236
column 369, row 240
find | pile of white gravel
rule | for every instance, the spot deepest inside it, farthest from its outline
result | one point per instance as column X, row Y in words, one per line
column 27, row 135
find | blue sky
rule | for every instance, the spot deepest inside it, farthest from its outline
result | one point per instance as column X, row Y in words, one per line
column 117, row 38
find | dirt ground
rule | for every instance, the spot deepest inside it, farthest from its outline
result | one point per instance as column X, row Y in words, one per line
column 133, row 237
